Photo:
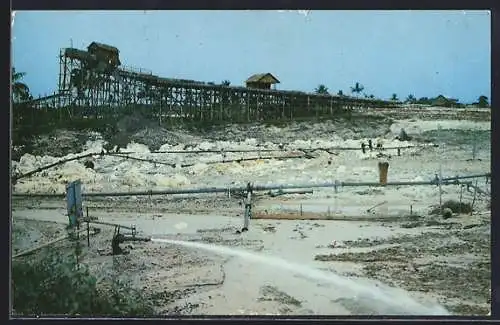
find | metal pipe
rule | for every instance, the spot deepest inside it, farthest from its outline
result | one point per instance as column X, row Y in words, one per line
column 36, row 248
column 123, row 155
column 254, row 188
column 53, row 165
column 466, row 177
column 248, row 208
column 107, row 224
column 271, row 150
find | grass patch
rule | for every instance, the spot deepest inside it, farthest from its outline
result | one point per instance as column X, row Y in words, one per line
column 54, row 284
column 271, row 293
column 454, row 206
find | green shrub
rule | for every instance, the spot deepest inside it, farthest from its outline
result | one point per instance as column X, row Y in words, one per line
column 57, row 285
column 455, row 206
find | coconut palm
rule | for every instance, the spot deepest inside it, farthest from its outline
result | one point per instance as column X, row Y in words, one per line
column 20, row 90
column 357, row 89
column 411, row 99
column 321, row 89
column 394, row 97
column 226, row 83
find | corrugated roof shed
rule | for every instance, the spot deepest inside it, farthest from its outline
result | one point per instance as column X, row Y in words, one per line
column 261, row 77
column 103, row 46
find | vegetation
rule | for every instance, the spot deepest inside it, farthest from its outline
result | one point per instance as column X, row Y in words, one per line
column 454, row 206
column 394, row 97
column 357, row 89
column 410, row 99
column 55, row 285
column 424, row 101
column 483, row 102
column 20, row 90
column 321, row 89
column 340, row 93
column 225, row 83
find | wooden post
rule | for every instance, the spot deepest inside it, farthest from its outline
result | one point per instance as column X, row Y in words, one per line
column 88, row 228
column 440, row 195
column 460, row 199
column 440, row 174
column 248, row 208
column 383, row 168
column 77, row 247
column 474, row 148
column 474, row 199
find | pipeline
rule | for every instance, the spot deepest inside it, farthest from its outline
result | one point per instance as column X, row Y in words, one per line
column 124, row 156
column 273, row 150
column 335, row 185
column 34, row 249
column 270, row 150
column 208, row 162
column 125, row 153
column 85, row 220
column 247, row 159
column 60, row 162
column 487, row 175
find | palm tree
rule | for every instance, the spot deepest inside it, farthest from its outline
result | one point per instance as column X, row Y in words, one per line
column 20, row 90
column 321, row 89
column 340, row 93
column 411, row 99
column 357, row 89
column 226, row 83
column 394, row 97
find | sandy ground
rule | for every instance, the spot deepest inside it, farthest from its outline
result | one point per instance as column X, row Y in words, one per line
column 397, row 244
column 436, row 261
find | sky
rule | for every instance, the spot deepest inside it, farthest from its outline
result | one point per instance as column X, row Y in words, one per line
column 424, row 53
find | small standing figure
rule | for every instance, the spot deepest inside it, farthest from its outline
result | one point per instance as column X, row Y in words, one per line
column 363, row 146
column 370, row 144
column 88, row 164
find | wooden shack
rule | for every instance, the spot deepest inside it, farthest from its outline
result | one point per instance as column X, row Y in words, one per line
column 105, row 53
column 262, row 81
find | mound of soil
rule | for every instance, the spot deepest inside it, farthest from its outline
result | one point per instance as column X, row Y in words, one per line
column 355, row 128
column 56, row 143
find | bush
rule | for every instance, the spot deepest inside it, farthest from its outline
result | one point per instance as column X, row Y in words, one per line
column 454, row 206
column 57, row 285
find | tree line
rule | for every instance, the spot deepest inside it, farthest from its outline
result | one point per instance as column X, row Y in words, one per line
column 358, row 91
column 20, row 92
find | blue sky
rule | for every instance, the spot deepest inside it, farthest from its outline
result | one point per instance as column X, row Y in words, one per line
column 425, row 53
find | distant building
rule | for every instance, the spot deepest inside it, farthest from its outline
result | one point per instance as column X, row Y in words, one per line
column 107, row 54
column 262, row 81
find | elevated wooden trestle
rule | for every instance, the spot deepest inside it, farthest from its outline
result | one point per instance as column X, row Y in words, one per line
column 87, row 90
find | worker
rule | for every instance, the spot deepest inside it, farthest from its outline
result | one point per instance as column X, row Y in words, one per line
column 403, row 136
column 89, row 164
column 370, row 144
column 379, row 144
column 363, row 146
